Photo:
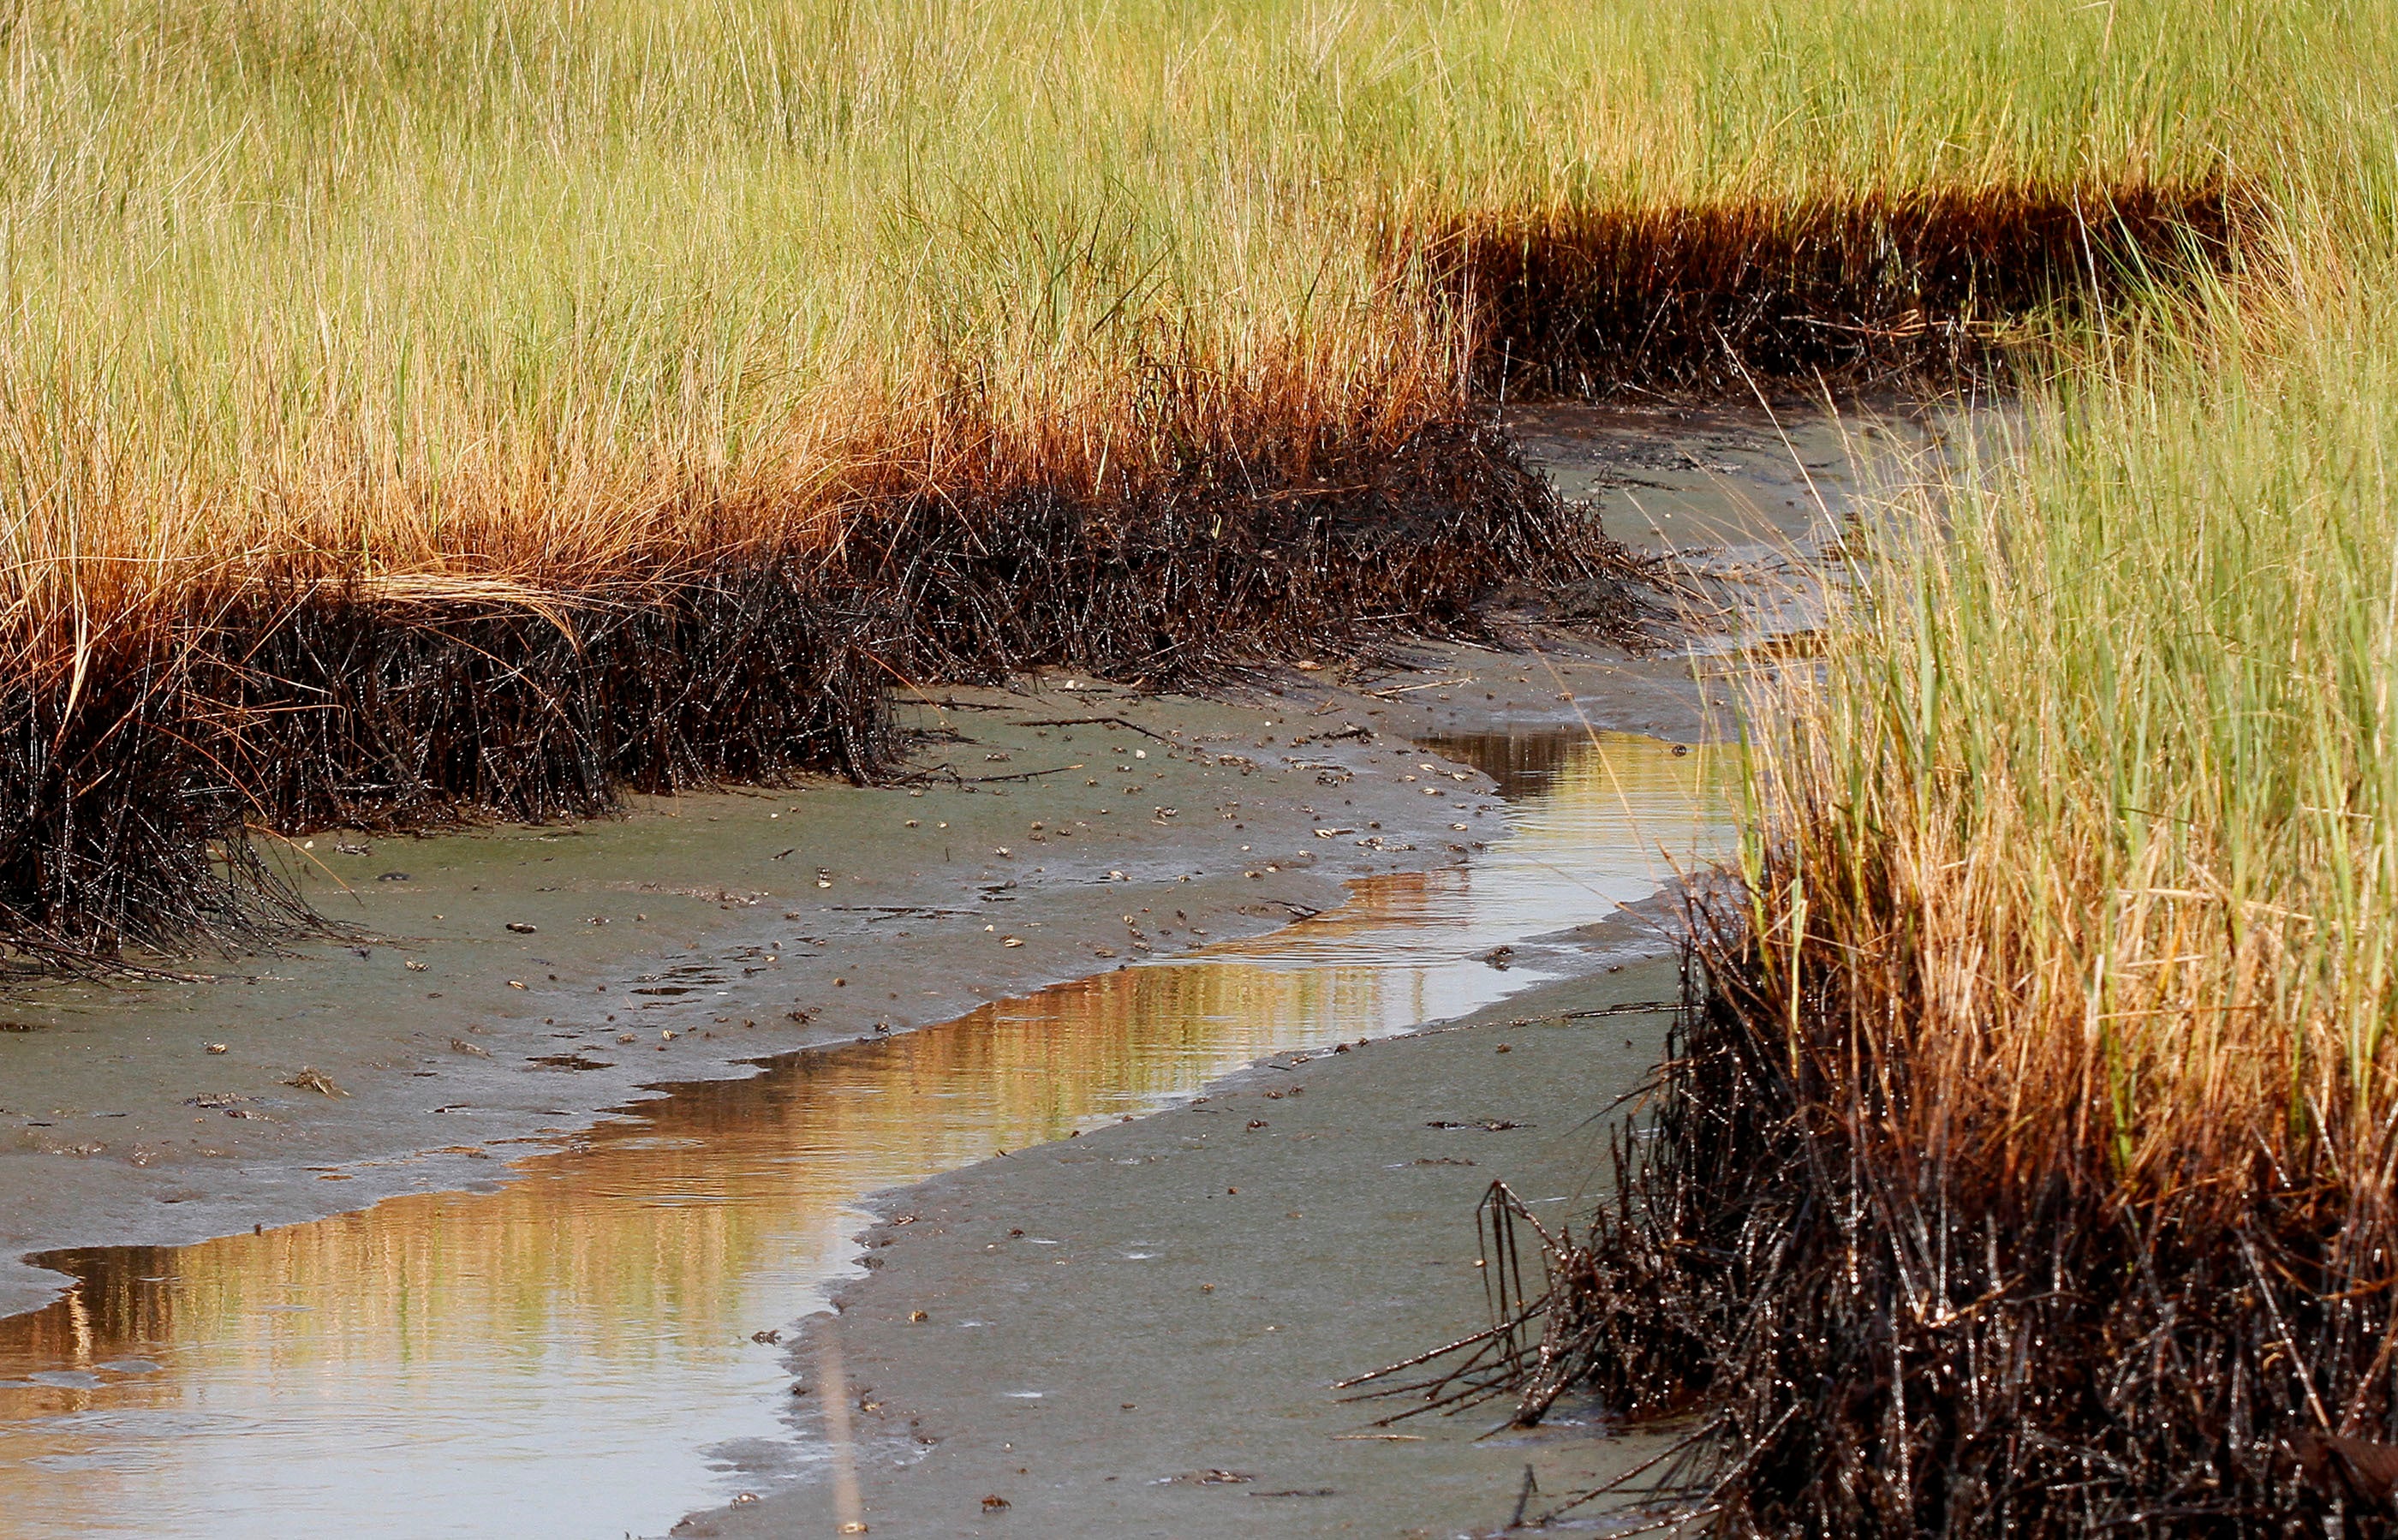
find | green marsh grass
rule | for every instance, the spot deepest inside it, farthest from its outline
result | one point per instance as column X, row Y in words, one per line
column 531, row 292
column 2100, row 777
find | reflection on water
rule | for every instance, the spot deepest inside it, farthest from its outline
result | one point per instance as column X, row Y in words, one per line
column 560, row 1355
column 1528, row 767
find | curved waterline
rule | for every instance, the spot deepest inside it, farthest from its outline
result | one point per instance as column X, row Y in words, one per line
column 562, row 1354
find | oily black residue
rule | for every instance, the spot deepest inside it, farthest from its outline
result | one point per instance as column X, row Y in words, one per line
column 127, row 797
column 1722, row 298
column 1861, row 1335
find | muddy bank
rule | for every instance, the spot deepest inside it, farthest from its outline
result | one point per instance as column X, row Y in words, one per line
column 1133, row 1332
column 701, row 933
column 1107, row 1323
column 594, row 1320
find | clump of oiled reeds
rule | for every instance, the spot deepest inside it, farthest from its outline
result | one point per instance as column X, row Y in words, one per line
column 1938, row 282
column 2026, row 1162
column 1859, row 1335
column 299, row 701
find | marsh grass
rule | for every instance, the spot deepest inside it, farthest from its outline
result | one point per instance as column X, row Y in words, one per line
column 332, row 334
column 2110, row 731
column 522, row 291
column 2063, row 970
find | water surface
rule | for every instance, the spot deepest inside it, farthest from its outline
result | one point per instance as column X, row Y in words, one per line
column 572, row 1354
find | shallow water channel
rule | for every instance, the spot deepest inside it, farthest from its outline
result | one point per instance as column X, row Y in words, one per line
column 573, row 1353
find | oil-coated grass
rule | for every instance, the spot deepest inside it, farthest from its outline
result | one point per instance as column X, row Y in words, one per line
column 2025, row 1163
column 303, row 705
column 512, row 318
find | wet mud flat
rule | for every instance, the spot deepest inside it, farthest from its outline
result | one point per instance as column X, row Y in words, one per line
column 1137, row 1333
column 605, row 1318
column 510, row 984
column 1133, row 1333
column 596, row 1340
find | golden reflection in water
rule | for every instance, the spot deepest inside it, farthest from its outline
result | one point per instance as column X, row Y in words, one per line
column 556, row 1357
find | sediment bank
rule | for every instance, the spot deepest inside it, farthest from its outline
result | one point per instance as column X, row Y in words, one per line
column 1133, row 1332
column 688, row 916
column 646, row 1252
